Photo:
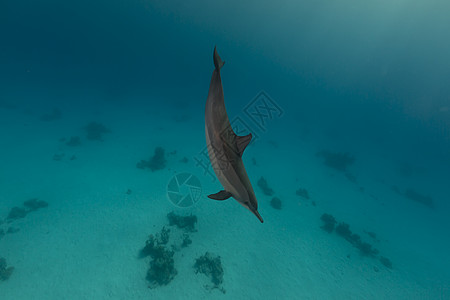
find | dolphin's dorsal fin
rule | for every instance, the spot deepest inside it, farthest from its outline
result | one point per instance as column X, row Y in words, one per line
column 242, row 142
column 222, row 195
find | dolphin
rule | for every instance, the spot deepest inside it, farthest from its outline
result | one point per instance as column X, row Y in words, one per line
column 225, row 148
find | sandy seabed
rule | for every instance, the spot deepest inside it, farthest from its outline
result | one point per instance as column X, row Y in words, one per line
column 85, row 245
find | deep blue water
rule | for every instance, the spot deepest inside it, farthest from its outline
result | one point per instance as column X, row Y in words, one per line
column 367, row 79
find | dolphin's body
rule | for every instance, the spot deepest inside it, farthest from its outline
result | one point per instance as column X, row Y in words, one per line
column 225, row 148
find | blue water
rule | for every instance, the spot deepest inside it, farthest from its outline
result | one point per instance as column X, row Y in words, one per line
column 310, row 80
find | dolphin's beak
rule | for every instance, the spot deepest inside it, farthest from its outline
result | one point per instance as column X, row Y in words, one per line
column 258, row 216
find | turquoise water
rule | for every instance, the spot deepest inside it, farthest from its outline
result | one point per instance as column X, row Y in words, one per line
column 102, row 142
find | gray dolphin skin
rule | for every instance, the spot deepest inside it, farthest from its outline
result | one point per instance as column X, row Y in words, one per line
column 225, row 148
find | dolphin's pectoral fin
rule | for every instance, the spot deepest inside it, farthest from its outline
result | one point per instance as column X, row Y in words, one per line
column 242, row 142
column 222, row 195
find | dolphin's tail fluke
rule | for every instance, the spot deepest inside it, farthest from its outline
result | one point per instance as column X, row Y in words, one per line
column 218, row 62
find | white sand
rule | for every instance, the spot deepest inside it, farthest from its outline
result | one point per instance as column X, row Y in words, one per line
column 85, row 244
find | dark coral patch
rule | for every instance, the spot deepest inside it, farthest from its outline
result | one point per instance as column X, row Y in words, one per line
column 262, row 183
column 275, row 203
column 185, row 222
column 210, row 265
